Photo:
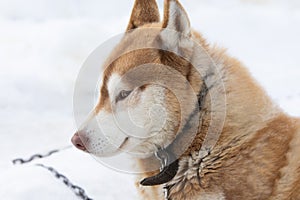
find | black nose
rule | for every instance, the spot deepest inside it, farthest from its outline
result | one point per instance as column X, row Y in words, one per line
column 77, row 142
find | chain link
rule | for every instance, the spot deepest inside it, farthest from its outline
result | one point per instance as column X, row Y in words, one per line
column 22, row 161
column 78, row 191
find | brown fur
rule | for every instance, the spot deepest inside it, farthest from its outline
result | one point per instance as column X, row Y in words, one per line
column 257, row 155
column 144, row 12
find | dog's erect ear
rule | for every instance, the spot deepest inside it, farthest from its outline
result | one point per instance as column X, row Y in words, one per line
column 144, row 12
column 175, row 20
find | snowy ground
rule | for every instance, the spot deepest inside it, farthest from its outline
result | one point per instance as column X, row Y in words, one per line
column 43, row 44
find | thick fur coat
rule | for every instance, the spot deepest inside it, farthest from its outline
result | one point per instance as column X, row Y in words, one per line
column 257, row 155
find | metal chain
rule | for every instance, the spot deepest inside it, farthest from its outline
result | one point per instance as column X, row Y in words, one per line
column 21, row 161
column 78, row 191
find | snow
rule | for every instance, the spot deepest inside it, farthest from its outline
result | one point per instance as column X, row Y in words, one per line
column 43, row 45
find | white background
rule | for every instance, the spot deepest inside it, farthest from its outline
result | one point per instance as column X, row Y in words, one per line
column 43, row 44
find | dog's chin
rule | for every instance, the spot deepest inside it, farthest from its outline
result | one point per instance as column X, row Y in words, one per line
column 131, row 153
column 141, row 152
column 106, row 155
column 140, row 155
column 130, row 146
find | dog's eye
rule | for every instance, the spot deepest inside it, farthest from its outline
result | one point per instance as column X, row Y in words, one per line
column 122, row 95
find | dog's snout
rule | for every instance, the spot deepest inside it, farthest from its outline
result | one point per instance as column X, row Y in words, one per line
column 77, row 142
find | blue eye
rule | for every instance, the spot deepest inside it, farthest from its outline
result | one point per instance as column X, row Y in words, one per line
column 123, row 95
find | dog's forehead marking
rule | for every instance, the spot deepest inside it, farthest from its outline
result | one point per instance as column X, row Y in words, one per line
column 113, row 83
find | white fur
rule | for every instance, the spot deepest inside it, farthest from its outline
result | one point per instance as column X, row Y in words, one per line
column 140, row 120
column 112, row 85
column 178, row 29
column 100, row 135
column 177, row 16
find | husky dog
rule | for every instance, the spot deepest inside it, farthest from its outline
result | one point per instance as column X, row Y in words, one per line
column 257, row 153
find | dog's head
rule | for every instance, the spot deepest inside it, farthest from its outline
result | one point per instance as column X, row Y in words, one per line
column 146, row 94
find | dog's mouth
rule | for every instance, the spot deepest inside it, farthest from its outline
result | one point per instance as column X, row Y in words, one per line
column 124, row 143
column 167, row 173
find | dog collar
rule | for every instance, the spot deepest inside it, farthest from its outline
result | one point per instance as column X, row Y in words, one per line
column 168, row 170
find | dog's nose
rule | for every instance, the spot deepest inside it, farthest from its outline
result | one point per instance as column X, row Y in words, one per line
column 77, row 142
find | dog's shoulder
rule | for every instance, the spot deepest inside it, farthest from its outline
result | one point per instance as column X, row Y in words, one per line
column 287, row 185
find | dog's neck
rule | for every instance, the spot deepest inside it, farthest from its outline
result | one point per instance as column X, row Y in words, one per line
column 239, row 127
column 237, row 130
column 192, row 151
